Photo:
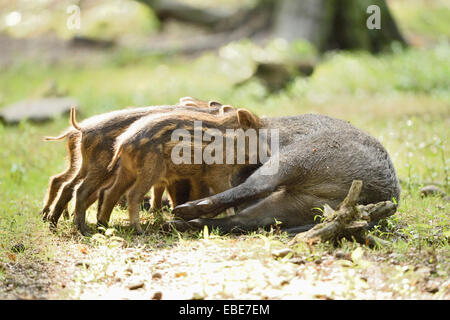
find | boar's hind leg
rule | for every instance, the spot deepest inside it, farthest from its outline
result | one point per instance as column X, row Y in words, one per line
column 64, row 197
column 110, row 195
column 279, row 206
column 86, row 194
column 157, row 194
column 54, row 185
column 58, row 180
column 135, row 196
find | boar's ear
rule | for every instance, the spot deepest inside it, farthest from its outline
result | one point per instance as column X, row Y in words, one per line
column 225, row 109
column 248, row 119
column 213, row 103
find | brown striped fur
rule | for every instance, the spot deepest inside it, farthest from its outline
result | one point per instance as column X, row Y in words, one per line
column 144, row 151
column 91, row 149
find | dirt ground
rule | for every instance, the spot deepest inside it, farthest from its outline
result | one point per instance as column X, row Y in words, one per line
column 242, row 267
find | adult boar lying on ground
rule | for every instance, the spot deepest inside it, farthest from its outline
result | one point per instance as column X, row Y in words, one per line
column 318, row 159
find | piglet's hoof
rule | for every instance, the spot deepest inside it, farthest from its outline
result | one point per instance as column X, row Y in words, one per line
column 83, row 229
column 44, row 216
column 193, row 209
column 53, row 221
column 101, row 226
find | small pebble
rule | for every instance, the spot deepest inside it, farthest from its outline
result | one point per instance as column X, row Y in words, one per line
column 297, row 261
column 129, row 270
column 156, row 275
column 282, row 252
column 136, row 285
column 340, row 254
column 432, row 287
column 82, row 264
column 157, row 295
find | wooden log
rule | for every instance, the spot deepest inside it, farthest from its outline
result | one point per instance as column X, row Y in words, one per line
column 377, row 211
column 349, row 221
column 165, row 9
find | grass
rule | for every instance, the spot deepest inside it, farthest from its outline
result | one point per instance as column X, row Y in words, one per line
column 421, row 18
column 401, row 98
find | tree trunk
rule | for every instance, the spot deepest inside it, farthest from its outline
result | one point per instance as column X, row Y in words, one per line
column 335, row 24
column 310, row 20
column 328, row 24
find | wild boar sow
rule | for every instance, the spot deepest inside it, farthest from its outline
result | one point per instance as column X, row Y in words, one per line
column 318, row 159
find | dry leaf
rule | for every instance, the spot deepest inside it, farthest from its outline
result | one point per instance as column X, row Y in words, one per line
column 180, row 274
column 11, row 256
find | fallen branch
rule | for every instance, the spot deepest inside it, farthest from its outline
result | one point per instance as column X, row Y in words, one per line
column 253, row 29
column 349, row 221
column 165, row 9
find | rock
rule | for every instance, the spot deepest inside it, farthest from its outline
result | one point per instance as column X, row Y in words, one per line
column 156, row 276
column 297, row 260
column 39, row 110
column 282, row 252
column 431, row 190
column 432, row 287
column 340, row 254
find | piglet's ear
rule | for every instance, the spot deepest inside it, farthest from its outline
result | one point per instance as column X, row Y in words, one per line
column 248, row 119
column 213, row 103
column 226, row 108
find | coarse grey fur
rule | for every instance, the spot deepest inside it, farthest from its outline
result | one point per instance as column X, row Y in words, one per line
column 319, row 157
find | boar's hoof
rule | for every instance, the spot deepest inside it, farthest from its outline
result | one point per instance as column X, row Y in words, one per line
column 52, row 227
column 193, row 209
